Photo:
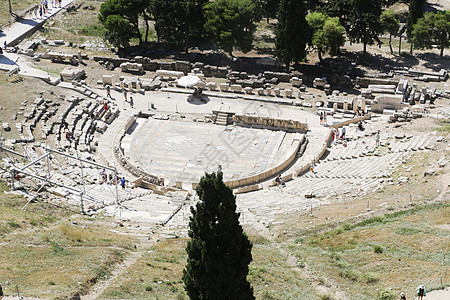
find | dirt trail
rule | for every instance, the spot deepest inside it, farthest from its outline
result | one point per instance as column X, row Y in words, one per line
column 98, row 288
column 102, row 285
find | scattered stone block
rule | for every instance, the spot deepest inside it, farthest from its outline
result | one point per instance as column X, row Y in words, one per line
column 429, row 173
column 109, row 80
column 132, row 67
column 211, row 85
column 236, row 88
column 70, row 74
column 224, row 87
column 169, row 74
column 289, row 93
column 296, row 82
column 319, row 83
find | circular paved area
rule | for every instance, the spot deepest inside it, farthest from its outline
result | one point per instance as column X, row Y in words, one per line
column 184, row 151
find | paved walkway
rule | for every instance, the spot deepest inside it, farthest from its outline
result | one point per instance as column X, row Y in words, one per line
column 16, row 32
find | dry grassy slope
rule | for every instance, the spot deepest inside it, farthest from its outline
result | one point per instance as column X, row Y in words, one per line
column 48, row 252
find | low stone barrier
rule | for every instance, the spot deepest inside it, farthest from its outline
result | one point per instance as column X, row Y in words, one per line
column 269, row 123
column 169, row 74
column 252, row 180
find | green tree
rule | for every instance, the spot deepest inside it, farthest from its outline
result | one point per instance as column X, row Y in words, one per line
column 328, row 33
column 177, row 21
column 232, row 23
column 390, row 24
column 361, row 19
column 334, row 34
column 129, row 10
column 270, row 8
column 415, row 12
column 292, row 32
column 219, row 252
column 432, row 29
column 170, row 20
column 118, row 31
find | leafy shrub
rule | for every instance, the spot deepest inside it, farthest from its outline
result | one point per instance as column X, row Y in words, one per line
column 101, row 272
column 386, row 295
column 148, row 288
column 326, row 297
column 350, row 274
column 346, row 227
column 371, row 277
column 13, row 224
column 266, row 295
column 378, row 249
column 56, row 248
column 299, row 240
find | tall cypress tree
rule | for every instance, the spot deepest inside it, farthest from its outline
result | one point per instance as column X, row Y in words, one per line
column 415, row 12
column 219, row 252
column 292, row 32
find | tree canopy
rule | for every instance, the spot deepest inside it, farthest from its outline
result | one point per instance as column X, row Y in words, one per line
column 129, row 10
column 118, row 31
column 219, row 252
column 361, row 19
column 292, row 32
column 415, row 12
column 176, row 21
column 328, row 33
column 270, row 8
column 231, row 23
column 390, row 24
column 432, row 29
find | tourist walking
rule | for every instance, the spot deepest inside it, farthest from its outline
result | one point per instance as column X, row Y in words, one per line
column 279, row 181
column 103, row 176
column 125, row 95
column 122, row 183
column 377, row 138
column 108, row 91
column 421, row 292
column 131, row 102
column 343, row 133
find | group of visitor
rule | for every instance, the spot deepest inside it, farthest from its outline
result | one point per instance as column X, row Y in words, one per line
column 337, row 135
column 44, row 7
column 111, row 179
column 323, row 118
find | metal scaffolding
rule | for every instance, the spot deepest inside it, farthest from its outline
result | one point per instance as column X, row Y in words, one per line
column 49, row 155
